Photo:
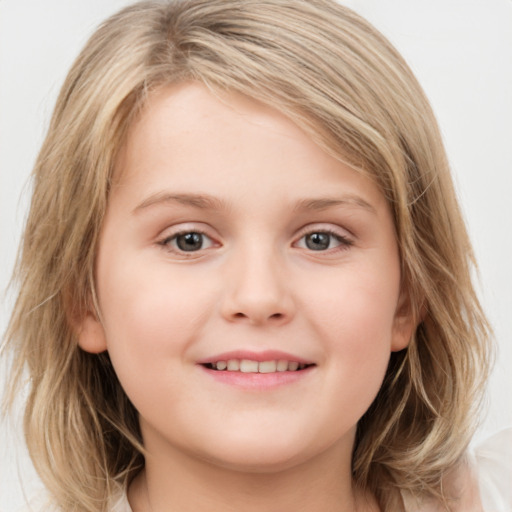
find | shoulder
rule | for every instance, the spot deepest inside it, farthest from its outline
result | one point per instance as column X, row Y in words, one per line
column 42, row 503
column 39, row 503
column 492, row 462
column 460, row 487
column 120, row 502
column 480, row 483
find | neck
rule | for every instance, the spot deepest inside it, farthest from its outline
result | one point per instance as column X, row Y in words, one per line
column 186, row 484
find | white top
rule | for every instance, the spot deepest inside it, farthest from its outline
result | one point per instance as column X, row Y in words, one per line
column 491, row 461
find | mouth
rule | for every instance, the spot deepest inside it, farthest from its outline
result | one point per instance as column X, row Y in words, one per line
column 252, row 366
column 257, row 371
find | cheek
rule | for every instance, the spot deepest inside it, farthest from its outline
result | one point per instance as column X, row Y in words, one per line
column 354, row 315
column 151, row 313
column 357, row 306
column 359, row 336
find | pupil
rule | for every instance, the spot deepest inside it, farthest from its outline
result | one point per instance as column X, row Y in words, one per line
column 190, row 241
column 317, row 241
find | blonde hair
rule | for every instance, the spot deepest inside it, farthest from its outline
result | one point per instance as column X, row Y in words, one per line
column 339, row 79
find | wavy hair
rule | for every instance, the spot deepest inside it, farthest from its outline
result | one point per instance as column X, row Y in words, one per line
column 338, row 78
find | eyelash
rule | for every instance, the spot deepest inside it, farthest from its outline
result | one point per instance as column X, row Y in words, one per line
column 166, row 242
column 344, row 242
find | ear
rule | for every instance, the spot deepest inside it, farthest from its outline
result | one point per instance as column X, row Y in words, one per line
column 91, row 334
column 404, row 323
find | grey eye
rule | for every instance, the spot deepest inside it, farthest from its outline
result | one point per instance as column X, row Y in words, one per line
column 318, row 241
column 189, row 241
column 323, row 241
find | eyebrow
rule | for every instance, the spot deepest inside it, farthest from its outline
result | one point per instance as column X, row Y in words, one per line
column 328, row 202
column 207, row 202
column 200, row 201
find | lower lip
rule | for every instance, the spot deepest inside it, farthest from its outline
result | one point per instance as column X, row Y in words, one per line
column 258, row 381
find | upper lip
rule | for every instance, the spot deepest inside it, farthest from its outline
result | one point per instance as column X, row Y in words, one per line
column 266, row 355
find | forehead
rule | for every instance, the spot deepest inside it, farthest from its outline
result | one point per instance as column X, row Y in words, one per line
column 189, row 137
column 189, row 114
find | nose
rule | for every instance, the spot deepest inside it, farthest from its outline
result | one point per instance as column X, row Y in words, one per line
column 257, row 291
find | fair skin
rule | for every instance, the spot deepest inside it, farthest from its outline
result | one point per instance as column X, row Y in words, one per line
column 231, row 236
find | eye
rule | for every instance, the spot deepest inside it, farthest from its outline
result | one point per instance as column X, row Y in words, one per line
column 323, row 241
column 189, row 241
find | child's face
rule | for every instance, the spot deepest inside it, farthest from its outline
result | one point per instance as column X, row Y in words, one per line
column 230, row 235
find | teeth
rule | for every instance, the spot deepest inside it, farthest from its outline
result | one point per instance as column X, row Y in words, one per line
column 233, row 365
column 267, row 367
column 249, row 366
column 282, row 366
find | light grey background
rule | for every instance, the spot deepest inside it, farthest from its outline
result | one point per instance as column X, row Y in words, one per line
column 461, row 51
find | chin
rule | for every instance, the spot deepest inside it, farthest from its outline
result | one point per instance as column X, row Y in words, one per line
column 257, row 462
column 261, row 453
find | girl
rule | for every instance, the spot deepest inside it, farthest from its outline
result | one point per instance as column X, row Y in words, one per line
column 244, row 280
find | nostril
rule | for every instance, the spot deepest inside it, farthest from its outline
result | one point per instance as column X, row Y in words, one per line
column 257, row 315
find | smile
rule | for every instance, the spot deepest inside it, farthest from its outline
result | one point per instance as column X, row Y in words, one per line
column 251, row 366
